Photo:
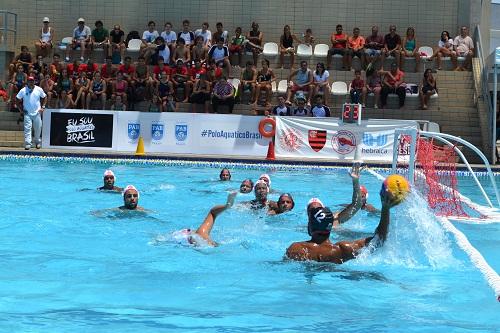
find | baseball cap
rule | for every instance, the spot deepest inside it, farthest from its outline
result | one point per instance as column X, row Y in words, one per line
column 81, row 20
column 31, row 78
column 45, row 19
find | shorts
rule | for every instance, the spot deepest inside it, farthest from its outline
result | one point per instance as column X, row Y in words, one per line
column 426, row 89
column 247, row 87
column 235, row 48
column 392, row 54
column 462, row 53
column 296, row 88
column 358, row 53
column 199, row 98
column 335, row 50
column 372, row 52
column 220, row 63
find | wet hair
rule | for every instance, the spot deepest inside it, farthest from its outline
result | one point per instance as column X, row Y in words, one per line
column 287, row 195
column 220, row 175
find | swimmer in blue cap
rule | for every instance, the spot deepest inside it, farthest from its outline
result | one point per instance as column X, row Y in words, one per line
column 319, row 247
column 285, row 203
column 109, row 182
column 131, row 199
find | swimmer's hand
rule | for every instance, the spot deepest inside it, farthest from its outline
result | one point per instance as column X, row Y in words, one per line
column 387, row 200
column 230, row 199
column 355, row 170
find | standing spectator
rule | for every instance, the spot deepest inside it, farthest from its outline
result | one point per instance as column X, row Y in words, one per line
column 97, row 91
column 181, row 79
column 393, row 83
column 373, row 48
column 308, row 37
column 44, row 43
column 237, row 44
column 199, row 51
column 256, row 39
column 181, row 52
column 355, row 48
column 286, row 46
column 392, row 45
column 303, row 82
column 186, row 34
column 409, row 49
column 464, row 47
column 205, row 33
column 17, row 82
column 220, row 54
column 25, row 59
column 81, row 39
column 339, row 46
column 358, row 89
column 201, row 93
column 100, row 37
column 319, row 109
column 223, row 94
column 169, row 36
column 248, row 80
column 117, row 42
column 47, row 84
column 265, row 79
column 445, row 49
column 428, row 87
column 374, row 85
column 148, row 46
column 321, row 84
column 33, row 100
column 220, row 33
column 281, row 109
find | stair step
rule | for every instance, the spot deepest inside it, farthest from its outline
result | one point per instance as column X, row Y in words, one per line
column 12, row 144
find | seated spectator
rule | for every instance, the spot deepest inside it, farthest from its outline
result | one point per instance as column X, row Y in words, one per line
column 201, row 93
column 199, row 51
column 205, row 34
column 100, row 37
column 64, row 101
column 220, row 54
column 75, row 68
column 445, row 49
column 339, row 46
column 181, row 52
column 154, row 103
column 303, row 82
column 265, row 79
column 256, row 41
column 169, row 36
column 81, row 87
column 300, row 110
column 56, row 66
column 81, row 39
column 91, row 68
column 164, row 90
column 158, row 69
column 47, row 84
column 248, row 80
column 197, row 70
column 308, row 37
column 117, row 42
column 320, row 109
column 409, row 49
column 148, row 46
column 358, row 89
column 142, row 80
column 181, row 79
column 286, row 46
column 65, row 85
column 120, row 87
column 162, row 50
column 25, row 59
column 118, row 104
column 374, row 85
column 214, row 72
column 220, row 33
column 108, row 74
column 44, row 43
column 392, row 45
column 320, row 80
column 237, row 44
column 39, row 67
column 223, row 94
column 127, row 71
column 17, row 82
column 373, row 48
column 464, row 47
column 393, row 83
column 96, row 91
column 281, row 109
column 355, row 48
column 428, row 87
column 186, row 34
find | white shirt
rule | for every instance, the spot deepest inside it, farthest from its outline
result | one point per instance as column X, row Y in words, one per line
column 448, row 44
column 149, row 36
column 81, row 34
column 165, row 53
column 321, row 78
column 187, row 37
column 463, row 44
column 207, row 36
column 31, row 99
column 218, row 54
column 170, row 37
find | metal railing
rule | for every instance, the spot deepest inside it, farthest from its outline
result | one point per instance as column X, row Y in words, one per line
column 8, row 29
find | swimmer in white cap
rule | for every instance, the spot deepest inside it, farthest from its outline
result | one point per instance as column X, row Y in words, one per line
column 261, row 189
column 265, row 177
column 131, row 199
column 109, row 182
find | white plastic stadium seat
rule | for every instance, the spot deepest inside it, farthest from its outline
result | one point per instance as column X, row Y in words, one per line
column 282, row 87
column 235, row 82
column 65, row 42
column 339, row 88
column 273, row 86
column 134, row 45
column 304, row 51
column 425, row 52
column 321, row 50
column 270, row 49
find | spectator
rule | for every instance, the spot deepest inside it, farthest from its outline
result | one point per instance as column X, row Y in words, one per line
column 64, row 87
column 117, row 42
column 237, row 44
column 186, row 35
column 169, row 36
column 170, row 106
column 201, row 93
column 197, row 70
column 393, row 83
column 97, row 91
column 373, row 48
column 205, row 34
column 281, row 109
column 223, row 94
column 220, row 33
column 181, row 52
column 108, row 71
column 56, row 66
column 358, row 89
column 100, row 37
column 428, row 87
column 163, row 90
column 464, row 47
column 118, row 104
column 220, row 54
column 300, row 110
column 308, row 37
column 248, row 81
column 392, row 45
column 256, row 39
column 91, row 68
column 127, row 71
column 32, row 100
column 159, row 69
column 3, row 93
column 265, row 79
column 409, row 49
column 148, row 46
column 142, row 80
column 154, row 103
column 320, row 109
column 286, row 46
column 181, row 79
column 355, row 48
column 303, row 82
column 39, row 67
column 64, row 101
column 339, row 46
column 374, row 85
column 47, row 84
column 320, row 80
column 120, row 88
column 199, row 51
column 44, row 43
column 75, row 68
column 25, row 59
column 214, row 72
column 445, row 49
column 81, row 39
column 162, row 50
column 81, row 86
column 17, row 82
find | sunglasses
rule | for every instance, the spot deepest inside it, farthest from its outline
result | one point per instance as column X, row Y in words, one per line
column 135, row 195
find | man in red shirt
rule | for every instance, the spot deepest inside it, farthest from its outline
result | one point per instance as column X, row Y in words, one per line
column 127, row 70
column 181, row 79
column 339, row 46
column 197, row 70
column 393, row 83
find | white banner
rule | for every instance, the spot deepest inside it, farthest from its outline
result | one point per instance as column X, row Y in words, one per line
column 329, row 138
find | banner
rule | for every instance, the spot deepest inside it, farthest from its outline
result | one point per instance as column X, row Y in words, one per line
column 326, row 138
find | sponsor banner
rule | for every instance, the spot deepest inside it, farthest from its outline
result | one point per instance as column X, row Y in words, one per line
column 330, row 139
column 76, row 129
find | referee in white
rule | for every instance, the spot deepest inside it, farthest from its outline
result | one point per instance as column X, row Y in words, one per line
column 32, row 100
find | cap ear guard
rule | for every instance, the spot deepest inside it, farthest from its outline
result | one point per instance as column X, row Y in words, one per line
column 260, row 181
column 129, row 188
column 109, row 173
column 320, row 220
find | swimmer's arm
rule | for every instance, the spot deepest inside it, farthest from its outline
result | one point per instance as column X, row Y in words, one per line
column 206, row 227
column 345, row 214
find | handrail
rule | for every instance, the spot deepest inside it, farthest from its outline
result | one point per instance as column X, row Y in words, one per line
column 5, row 26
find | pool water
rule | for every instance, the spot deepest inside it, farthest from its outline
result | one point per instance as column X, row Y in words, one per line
column 70, row 265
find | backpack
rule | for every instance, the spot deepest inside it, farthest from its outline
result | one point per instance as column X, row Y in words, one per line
column 132, row 35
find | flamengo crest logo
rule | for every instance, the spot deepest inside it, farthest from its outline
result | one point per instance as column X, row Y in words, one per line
column 80, row 130
column 317, row 139
column 344, row 142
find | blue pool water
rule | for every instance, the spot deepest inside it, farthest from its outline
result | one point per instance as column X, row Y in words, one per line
column 64, row 269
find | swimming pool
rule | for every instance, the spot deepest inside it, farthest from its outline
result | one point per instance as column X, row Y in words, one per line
column 63, row 269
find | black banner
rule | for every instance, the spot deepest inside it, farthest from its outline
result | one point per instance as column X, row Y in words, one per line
column 81, row 129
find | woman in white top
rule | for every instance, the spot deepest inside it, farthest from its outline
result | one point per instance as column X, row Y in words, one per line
column 320, row 81
column 445, row 49
column 46, row 36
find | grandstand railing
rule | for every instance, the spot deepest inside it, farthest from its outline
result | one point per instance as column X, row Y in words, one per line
column 8, row 30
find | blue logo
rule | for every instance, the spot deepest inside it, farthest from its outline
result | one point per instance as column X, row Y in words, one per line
column 375, row 140
column 134, row 129
column 157, row 131
column 181, row 132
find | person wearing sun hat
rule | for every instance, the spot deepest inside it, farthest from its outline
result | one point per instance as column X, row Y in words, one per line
column 46, row 35
column 31, row 101
column 81, row 39
column 109, row 182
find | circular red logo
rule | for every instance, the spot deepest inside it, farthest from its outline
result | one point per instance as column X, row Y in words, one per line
column 291, row 140
column 344, row 142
